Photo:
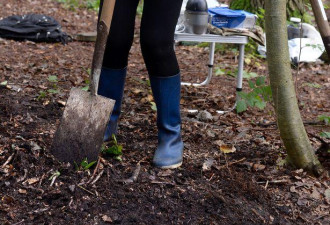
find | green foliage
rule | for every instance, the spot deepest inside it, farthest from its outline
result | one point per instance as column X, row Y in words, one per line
column 52, row 79
column 42, row 95
column 84, row 165
column 73, row 4
column 53, row 91
column 114, row 150
column 295, row 8
column 325, row 134
column 55, row 174
column 153, row 106
column 325, row 119
column 257, row 97
column 4, row 83
column 313, row 85
column 86, row 87
column 139, row 9
column 249, row 75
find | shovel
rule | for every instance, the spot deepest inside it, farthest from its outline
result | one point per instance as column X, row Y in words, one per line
column 86, row 115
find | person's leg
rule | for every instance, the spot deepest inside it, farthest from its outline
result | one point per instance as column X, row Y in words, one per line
column 157, row 38
column 119, row 43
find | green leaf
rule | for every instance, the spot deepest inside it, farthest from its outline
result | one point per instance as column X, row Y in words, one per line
column 42, row 95
column 4, row 83
column 324, row 118
column 89, row 165
column 260, row 104
column 313, row 85
column 53, row 79
column 219, row 72
column 325, row 134
column 241, row 106
column 55, row 174
column 153, row 106
column 114, row 149
column 52, row 91
column 86, row 88
column 266, row 92
column 260, row 81
column 250, row 75
column 250, row 101
column 251, row 84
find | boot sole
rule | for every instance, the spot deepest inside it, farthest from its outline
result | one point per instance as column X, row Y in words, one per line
column 170, row 166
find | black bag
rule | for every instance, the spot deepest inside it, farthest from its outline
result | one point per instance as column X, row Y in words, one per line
column 33, row 27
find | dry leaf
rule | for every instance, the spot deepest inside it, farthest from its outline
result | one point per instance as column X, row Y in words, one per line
column 258, row 167
column 106, row 219
column 137, row 91
column 327, row 194
column 32, row 180
column 165, row 173
column 22, row 191
column 207, row 165
column 62, row 103
column 316, row 194
column 227, row 148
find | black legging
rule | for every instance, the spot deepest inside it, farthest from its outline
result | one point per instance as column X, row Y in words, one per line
column 157, row 35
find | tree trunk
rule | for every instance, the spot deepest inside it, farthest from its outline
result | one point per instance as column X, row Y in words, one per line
column 322, row 23
column 292, row 131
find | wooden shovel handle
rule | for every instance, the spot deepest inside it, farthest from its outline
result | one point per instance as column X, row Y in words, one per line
column 103, row 29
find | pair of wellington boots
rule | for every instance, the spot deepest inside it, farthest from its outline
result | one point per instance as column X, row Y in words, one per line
column 166, row 92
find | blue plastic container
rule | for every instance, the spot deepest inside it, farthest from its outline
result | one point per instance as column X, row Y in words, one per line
column 225, row 17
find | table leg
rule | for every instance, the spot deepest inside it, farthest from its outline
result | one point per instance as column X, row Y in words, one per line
column 239, row 85
column 210, row 70
column 240, row 68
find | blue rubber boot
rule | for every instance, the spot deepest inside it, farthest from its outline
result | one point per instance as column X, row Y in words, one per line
column 111, row 85
column 166, row 91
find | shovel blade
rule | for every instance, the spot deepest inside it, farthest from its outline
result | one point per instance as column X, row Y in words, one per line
column 82, row 127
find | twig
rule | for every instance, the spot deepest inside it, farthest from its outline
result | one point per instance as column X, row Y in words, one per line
column 41, row 179
column 205, row 124
column 18, row 222
column 266, row 185
column 273, row 182
column 98, row 177
column 85, row 190
column 95, row 171
column 53, row 181
column 134, row 176
column 305, row 123
column 97, row 167
column 8, row 160
column 24, row 176
column 231, row 163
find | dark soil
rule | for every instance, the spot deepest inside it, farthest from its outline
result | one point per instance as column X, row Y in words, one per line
column 245, row 187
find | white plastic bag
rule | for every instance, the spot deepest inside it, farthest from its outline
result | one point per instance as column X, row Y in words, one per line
column 312, row 46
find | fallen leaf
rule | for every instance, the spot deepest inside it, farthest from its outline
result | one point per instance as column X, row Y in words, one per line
column 165, row 173
column 32, row 180
column 316, row 194
column 207, row 165
column 106, row 219
column 302, row 202
column 227, row 148
column 62, row 103
column 7, row 199
column 204, row 116
column 258, row 167
column 327, row 194
column 137, row 91
column 22, row 191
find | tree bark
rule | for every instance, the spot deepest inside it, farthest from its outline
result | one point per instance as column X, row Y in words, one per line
column 322, row 23
column 292, row 130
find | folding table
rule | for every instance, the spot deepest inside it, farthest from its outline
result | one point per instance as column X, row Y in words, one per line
column 213, row 39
